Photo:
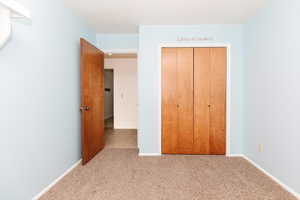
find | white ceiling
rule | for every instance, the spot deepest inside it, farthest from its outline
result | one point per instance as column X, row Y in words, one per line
column 124, row 16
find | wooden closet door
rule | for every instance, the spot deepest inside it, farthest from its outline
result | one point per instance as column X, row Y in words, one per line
column 185, row 96
column 218, row 101
column 169, row 100
column 202, row 85
column 177, row 100
column 210, row 100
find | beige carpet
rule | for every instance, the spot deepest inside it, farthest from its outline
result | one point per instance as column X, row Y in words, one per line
column 117, row 174
column 121, row 139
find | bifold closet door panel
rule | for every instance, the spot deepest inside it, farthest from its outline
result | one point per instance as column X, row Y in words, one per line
column 202, row 76
column 185, row 96
column 218, row 101
column 177, row 100
column 169, row 100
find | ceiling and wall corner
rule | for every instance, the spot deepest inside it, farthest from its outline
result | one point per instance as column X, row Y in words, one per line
column 125, row 16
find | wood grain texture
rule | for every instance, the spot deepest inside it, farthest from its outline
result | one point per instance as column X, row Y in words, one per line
column 185, row 98
column 202, row 76
column 92, row 96
column 169, row 100
column 177, row 100
column 218, row 101
column 194, row 100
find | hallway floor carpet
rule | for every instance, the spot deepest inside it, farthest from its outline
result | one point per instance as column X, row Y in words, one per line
column 117, row 174
column 120, row 139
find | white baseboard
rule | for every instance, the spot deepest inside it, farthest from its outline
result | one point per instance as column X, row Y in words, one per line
column 46, row 189
column 293, row 192
column 235, row 155
column 149, row 154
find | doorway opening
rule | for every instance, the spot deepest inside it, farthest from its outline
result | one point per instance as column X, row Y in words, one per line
column 108, row 98
column 120, row 100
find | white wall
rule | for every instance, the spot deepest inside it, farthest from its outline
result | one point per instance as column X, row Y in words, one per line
column 40, row 99
column 149, row 74
column 108, row 95
column 272, row 94
column 125, row 91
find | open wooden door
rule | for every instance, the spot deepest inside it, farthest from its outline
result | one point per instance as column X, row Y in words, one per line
column 92, row 100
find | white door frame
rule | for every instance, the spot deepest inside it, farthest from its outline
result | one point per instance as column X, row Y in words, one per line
column 228, row 85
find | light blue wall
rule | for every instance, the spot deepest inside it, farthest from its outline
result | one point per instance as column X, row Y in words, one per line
column 39, row 84
column 117, row 41
column 272, row 97
column 148, row 75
